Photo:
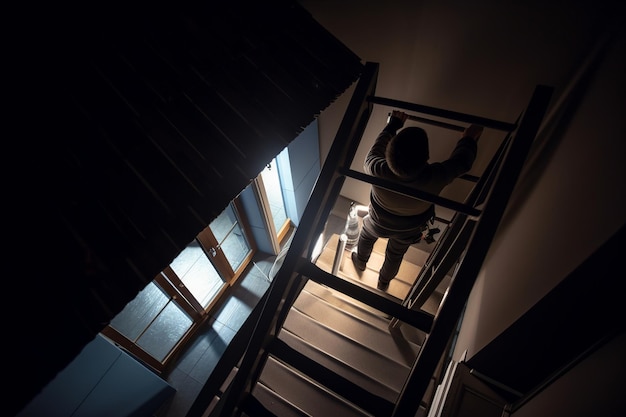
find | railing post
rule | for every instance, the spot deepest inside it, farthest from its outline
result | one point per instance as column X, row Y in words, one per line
column 341, row 246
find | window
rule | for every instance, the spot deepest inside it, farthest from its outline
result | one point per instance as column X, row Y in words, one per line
column 165, row 314
column 269, row 189
column 226, row 243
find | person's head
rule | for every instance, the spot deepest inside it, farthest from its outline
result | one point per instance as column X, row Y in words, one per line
column 407, row 152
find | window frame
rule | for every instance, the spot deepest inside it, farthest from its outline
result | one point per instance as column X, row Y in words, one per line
column 174, row 287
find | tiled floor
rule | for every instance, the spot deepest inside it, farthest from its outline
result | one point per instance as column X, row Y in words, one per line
column 198, row 361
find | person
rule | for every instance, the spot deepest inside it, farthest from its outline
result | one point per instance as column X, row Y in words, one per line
column 403, row 157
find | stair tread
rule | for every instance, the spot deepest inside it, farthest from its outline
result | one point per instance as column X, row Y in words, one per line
column 275, row 403
column 379, row 382
column 313, row 299
column 398, row 287
column 341, row 300
column 303, row 393
column 369, row 358
column 359, row 329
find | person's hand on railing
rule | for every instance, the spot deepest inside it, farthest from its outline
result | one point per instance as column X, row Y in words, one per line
column 473, row 131
column 399, row 115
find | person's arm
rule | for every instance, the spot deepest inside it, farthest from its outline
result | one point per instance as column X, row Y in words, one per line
column 473, row 131
column 396, row 121
column 375, row 163
column 465, row 151
column 463, row 155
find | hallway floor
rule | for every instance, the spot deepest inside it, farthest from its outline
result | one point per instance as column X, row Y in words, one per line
column 196, row 363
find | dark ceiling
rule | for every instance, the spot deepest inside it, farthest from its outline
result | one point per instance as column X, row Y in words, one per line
column 149, row 121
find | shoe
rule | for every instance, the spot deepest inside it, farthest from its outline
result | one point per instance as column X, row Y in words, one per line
column 382, row 285
column 359, row 264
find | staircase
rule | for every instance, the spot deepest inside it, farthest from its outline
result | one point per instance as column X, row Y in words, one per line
column 331, row 344
column 348, row 338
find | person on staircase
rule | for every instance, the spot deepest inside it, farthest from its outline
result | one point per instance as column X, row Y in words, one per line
column 403, row 157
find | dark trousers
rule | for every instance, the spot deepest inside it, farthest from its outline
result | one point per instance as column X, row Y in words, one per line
column 399, row 240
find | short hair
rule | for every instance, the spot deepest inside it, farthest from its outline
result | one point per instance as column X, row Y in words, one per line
column 407, row 152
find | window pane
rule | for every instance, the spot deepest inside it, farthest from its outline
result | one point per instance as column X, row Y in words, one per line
column 271, row 183
column 138, row 314
column 197, row 273
column 223, row 223
column 235, row 247
column 163, row 334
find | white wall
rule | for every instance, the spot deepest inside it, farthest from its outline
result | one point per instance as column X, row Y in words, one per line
column 577, row 202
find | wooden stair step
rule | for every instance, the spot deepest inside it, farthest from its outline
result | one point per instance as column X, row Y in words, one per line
column 357, row 329
column 275, row 403
column 409, row 269
column 398, row 287
column 314, row 297
column 390, row 370
column 346, row 303
column 302, row 393
column 364, row 377
column 375, row 317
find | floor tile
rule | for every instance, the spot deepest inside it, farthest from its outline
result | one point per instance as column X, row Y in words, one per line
column 212, row 355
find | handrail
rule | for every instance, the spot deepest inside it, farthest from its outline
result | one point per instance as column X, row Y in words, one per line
column 446, row 114
column 412, row 192
column 437, row 123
